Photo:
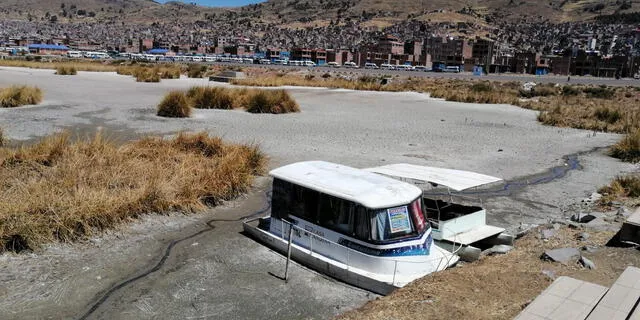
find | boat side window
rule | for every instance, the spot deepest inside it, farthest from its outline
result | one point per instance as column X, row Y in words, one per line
column 362, row 227
column 290, row 199
column 336, row 214
column 305, row 203
column 281, row 198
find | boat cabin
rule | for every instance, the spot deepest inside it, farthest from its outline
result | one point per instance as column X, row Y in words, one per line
column 451, row 221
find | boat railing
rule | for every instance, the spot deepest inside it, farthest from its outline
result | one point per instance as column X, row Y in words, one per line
column 353, row 259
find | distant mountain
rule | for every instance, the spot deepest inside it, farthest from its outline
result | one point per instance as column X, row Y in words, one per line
column 310, row 12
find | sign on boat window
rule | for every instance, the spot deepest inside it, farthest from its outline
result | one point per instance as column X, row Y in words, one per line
column 399, row 219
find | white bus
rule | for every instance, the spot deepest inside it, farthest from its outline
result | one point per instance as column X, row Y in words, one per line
column 74, row 54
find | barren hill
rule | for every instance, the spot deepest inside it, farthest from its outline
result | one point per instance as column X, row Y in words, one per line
column 318, row 12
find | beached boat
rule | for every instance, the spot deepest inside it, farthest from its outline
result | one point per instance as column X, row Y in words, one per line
column 357, row 226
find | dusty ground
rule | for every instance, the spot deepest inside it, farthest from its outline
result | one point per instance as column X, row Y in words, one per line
column 223, row 274
column 499, row 287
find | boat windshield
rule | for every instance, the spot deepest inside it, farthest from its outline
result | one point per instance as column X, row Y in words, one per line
column 397, row 222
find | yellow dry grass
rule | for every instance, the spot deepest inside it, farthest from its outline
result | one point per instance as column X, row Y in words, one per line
column 498, row 287
column 63, row 70
column 252, row 100
column 63, row 190
column 175, row 104
column 78, row 65
column 583, row 107
column 151, row 73
column 17, row 96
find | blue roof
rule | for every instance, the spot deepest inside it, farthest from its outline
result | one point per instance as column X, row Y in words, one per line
column 158, row 51
column 48, row 46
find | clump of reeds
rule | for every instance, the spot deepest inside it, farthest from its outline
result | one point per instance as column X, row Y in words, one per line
column 628, row 149
column 17, row 96
column 150, row 73
column 175, row 104
column 96, row 66
column 65, row 70
column 196, row 70
column 63, row 190
column 210, row 97
column 622, row 187
column 272, row 101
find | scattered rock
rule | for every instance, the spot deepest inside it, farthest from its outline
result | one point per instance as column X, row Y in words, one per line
column 589, row 249
column 594, row 197
column 499, row 249
column 562, row 255
column 583, row 236
column 601, row 224
column 616, row 204
column 587, row 263
column 523, row 229
column 499, row 150
column 623, row 212
column 582, row 217
column 574, row 225
column 559, row 222
column 549, row 273
column 547, row 234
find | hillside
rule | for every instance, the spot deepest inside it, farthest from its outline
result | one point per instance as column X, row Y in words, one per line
column 313, row 12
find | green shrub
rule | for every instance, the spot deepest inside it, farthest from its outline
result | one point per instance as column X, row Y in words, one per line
column 272, row 101
column 210, row 98
column 17, row 96
column 174, row 105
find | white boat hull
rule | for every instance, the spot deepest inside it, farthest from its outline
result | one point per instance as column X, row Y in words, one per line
column 380, row 275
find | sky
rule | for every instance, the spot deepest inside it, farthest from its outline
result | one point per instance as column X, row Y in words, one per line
column 218, row 3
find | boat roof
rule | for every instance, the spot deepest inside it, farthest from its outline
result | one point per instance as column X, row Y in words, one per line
column 455, row 179
column 366, row 188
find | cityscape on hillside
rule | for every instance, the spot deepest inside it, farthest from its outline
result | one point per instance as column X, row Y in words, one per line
column 608, row 45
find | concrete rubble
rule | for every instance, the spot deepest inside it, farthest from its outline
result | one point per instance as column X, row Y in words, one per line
column 587, row 263
column 499, row 249
column 562, row 255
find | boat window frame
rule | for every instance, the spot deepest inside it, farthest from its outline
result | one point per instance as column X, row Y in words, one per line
column 363, row 234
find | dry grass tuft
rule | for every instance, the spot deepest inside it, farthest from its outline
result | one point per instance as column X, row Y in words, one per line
column 17, row 96
column 3, row 140
column 196, row 70
column 95, row 66
column 598, row 108
column 252, row 100
column 628, row 149
column 175, row 105
column 63, row 190
column 64, row 70
column 151, row 73
column 272, row 101
column 621, row 188
column 211, row 97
